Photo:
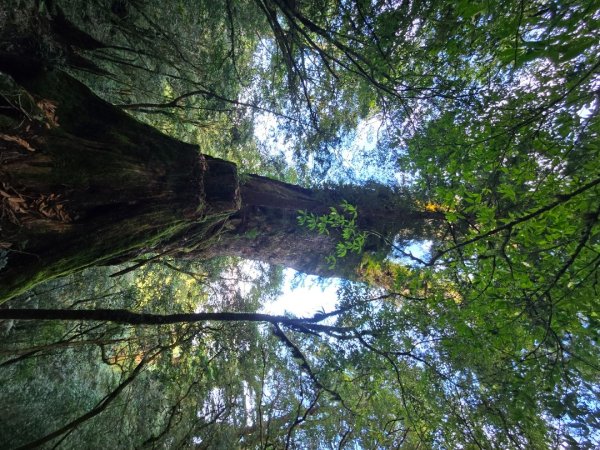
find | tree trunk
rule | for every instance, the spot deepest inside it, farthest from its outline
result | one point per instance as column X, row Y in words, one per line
column 266, row 227
column 82, row 183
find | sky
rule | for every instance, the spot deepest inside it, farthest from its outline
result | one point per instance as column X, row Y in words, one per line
column 310, row 297
column 314, row 294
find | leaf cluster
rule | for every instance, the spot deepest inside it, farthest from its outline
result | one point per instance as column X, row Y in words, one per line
column 343, row 223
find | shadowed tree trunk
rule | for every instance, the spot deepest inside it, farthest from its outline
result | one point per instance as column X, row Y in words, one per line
column 82, row 183
column 266, row 227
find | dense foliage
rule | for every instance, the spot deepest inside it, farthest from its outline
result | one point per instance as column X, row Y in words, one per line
column 487, row 337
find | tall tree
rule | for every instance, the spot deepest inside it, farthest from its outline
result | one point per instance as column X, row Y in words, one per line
column 86, row 184
column 488, row 110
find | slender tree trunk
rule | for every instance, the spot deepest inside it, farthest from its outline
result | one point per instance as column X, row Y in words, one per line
column 124, row 316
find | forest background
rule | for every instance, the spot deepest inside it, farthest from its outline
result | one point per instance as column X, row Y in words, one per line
column 440, row 158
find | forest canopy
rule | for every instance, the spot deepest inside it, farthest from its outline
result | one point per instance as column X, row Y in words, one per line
column 162, row 164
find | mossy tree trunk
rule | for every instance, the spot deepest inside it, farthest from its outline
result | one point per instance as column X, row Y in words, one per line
column 266, row 226
column 83, row 183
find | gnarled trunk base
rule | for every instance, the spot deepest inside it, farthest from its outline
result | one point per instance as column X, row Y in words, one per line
column 82, row 183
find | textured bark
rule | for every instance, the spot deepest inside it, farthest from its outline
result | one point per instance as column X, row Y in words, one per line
column 266, row 227
column 83, row 183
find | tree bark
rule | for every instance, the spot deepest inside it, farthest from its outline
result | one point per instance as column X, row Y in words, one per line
column 82, row 183
column 266, row 227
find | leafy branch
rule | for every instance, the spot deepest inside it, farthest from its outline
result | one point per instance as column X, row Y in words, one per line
column 344, row 222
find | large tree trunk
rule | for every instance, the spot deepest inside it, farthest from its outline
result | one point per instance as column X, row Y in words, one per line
column 82, row 183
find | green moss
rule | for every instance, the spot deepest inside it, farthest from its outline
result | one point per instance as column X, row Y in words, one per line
column 141, row 233
column 251, row 234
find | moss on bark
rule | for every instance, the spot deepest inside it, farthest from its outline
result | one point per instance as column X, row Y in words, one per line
column 82, row 183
